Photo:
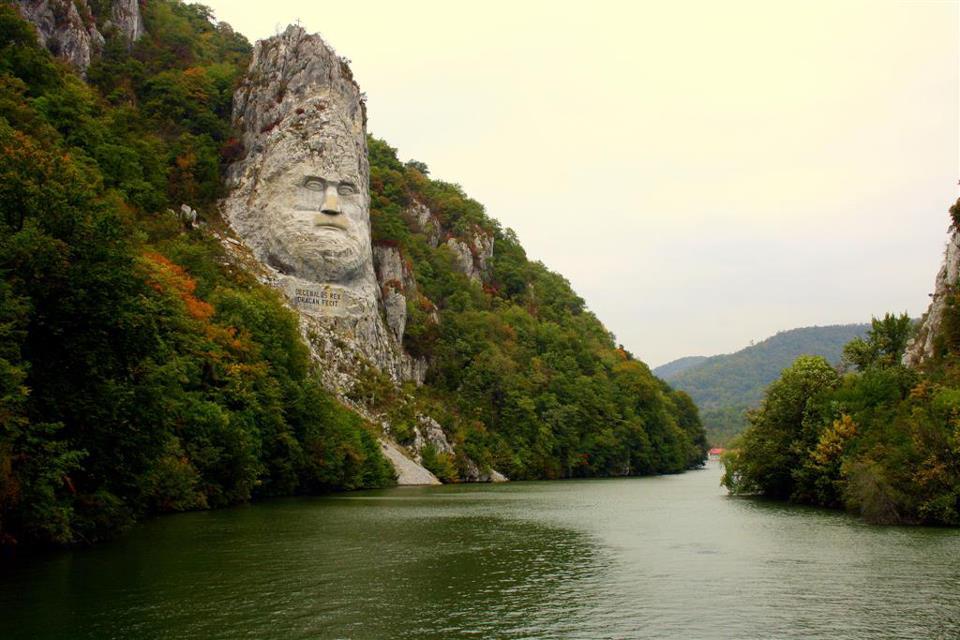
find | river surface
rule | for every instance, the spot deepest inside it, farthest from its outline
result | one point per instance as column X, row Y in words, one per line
column 666, row 557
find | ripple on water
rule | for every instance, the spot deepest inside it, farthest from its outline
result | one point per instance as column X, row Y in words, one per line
column 631, row 558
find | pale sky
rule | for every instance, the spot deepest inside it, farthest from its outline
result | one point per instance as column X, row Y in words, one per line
column 704, row 173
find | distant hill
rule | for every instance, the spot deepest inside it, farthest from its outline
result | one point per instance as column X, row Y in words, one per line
column 725, row 386
column 671, row 369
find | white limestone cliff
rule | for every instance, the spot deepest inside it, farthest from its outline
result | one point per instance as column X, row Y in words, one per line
column 429, row 433
column 396, row 282
column 125, row 16
column 921, row 347
column 425, row 222
column 473, row 257
column 63, row 30
column 68, row 28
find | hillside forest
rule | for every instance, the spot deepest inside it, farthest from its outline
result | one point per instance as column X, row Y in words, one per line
column 880, row 439
column 143, row 372
column 725, row 387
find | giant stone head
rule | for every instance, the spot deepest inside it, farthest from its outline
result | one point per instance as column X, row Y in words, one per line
column 300, row 197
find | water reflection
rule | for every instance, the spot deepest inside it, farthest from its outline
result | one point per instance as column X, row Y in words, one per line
column 382, row 566
column 657, row 557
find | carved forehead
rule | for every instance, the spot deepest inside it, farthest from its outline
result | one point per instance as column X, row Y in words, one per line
column 338, row 166
column 317, row 145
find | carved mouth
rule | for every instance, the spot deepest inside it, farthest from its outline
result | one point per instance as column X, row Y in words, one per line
column 329, row 225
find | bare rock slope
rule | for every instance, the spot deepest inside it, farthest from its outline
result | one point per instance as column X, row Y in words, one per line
column 921, row 348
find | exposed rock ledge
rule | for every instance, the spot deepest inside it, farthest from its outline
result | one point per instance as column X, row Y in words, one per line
column 63, row 31
column 68, row 28
column 921, row 348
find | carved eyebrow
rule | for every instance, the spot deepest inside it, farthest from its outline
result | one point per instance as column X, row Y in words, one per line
column 307, row 180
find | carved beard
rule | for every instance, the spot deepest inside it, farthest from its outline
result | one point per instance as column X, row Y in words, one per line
column 283, row 214
column 323, row 257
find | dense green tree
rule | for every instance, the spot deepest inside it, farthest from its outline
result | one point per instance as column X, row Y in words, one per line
column 781, row 430
column 881, row 441
column 884, row 344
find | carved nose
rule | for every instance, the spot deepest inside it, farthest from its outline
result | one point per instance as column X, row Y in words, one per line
column 331, row 204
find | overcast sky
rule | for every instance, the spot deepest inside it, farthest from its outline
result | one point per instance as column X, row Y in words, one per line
column 704, row 173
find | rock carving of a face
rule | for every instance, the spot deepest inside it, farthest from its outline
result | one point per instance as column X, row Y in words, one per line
column 314, row 212
column 300, row 199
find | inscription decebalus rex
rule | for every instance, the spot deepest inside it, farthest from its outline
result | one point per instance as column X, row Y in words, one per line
column 317, row 298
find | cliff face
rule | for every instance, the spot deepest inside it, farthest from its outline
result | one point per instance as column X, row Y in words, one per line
column 68, row 28
column 63, row 31
column 299, row 199
column 472, row 256
column 921, row 348
column 126, row 18
column 396, row 285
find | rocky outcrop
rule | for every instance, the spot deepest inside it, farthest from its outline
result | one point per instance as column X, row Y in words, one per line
column 396, row 286
column 391, row 267
column 395, row 310
column 473, row 473
column 428, row 432
column 68, row 28
column 471, row 255
column 126, row 18
column 483, row 251
column 463, row 257
column 425, row 222
column 188, row 216
column 473, row 258
column 64, row 31
column 921, row 347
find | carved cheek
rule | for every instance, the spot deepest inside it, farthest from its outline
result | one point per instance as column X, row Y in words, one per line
column 304, row 199
column 269, row 203
column 353, row 210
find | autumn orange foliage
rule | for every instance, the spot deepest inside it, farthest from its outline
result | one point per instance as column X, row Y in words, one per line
column 167, row 275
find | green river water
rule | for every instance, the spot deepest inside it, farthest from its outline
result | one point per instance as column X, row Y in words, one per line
column 666, row 557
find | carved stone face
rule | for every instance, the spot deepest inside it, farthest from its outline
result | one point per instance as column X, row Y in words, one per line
column 300, row 199
column 314, row 215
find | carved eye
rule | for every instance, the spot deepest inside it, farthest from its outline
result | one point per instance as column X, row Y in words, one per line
column 346, row 189
column 314, row 184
